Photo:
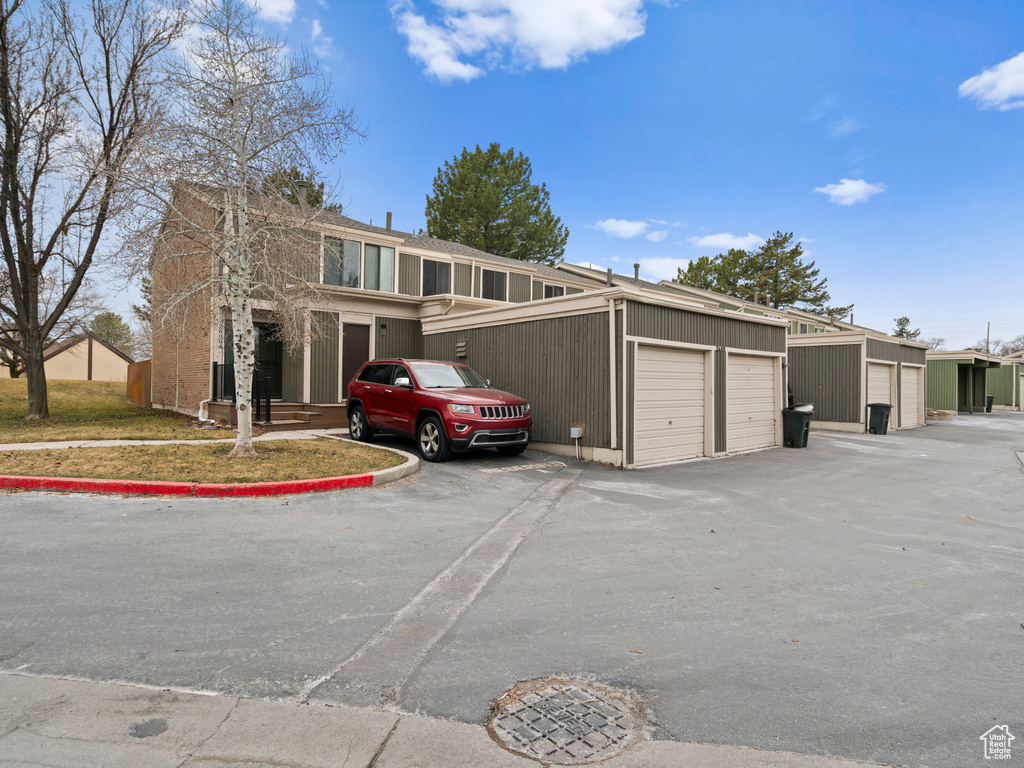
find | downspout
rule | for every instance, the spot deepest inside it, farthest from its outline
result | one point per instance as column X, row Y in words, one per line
column 612, row 372
column 450, row 306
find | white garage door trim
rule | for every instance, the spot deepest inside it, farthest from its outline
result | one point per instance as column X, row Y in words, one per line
column 880, row 382
column 752, row 401
column 910, row 397
column 671, row 403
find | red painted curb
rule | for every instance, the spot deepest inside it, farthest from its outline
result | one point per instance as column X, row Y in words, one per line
column 167, row 488
column 285, row 486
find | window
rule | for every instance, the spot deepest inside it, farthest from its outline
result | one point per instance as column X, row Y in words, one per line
column 550, row 291
column 376, row 374
column 493, row 285
column 341, row 262
column 437, row 277
column 803, row 327
column 379, row 268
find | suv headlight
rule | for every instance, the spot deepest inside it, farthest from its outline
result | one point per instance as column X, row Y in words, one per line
column 526, row 409
column 459, row 408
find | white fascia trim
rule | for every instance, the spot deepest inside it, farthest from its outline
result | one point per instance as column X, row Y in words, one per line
column 757, row 352
column 913, row 365
column 649, row 342
column 338, row 230
column 876, row 361
column 826, row 339
column 578, row 303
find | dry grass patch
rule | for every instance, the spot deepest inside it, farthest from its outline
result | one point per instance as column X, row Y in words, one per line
column 90, row 410
column 277, row 460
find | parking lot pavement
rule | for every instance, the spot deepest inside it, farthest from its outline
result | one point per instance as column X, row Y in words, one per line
column 859, row 598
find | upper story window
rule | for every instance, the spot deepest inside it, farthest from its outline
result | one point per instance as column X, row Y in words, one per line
column 437, row 277
column 803, row 327
column 550, row 291
column 379, row 268
column 493, row 285
column 350, row 264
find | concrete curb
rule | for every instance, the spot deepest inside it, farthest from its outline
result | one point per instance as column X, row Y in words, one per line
column 217, row 490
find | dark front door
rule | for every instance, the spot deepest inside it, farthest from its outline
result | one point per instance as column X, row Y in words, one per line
column 269, row 354
column 355, row 350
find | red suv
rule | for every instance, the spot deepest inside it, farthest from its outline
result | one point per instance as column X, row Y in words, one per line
column 445, row 406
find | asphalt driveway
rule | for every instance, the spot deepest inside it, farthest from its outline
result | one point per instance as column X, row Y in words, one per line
column 861, row 598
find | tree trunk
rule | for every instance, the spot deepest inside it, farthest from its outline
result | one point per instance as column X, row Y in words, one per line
column 245, row 363
column 38, row 407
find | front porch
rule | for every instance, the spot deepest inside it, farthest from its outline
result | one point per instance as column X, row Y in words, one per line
column 285, row 416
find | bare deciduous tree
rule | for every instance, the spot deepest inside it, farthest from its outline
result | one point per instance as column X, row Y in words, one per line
column 76, row 98
column 934, row 343
column 79, row 313
column 242, row 111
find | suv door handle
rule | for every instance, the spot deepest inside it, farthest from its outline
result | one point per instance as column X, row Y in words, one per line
column 387, row 390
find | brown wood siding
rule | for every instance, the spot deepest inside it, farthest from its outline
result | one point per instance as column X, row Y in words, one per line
column 913, row 355
column 323, row 387
column 630, row 371
column 569, row 291
column 883, row 350
column 828, row 376
column 291, row 374
column 462, row 278
column 518, row 287
column 409, row 274
column 538, row 290
column 401, row 338
column 559, row 364
column 719, row 404
column 656, row 322
column 478, row 281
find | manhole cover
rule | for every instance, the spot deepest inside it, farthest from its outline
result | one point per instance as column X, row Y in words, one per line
column 565, row 722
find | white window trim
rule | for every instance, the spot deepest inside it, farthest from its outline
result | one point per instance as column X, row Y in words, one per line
column 496, row 271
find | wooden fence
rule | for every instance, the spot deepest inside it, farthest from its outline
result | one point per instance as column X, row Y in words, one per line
column 140, row 383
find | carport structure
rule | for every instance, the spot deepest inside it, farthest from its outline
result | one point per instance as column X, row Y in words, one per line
column 1006, row 383
column 957, row 381
column 648, row 377
column 842, row 372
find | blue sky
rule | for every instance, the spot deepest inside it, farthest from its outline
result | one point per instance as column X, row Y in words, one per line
column 888, row 136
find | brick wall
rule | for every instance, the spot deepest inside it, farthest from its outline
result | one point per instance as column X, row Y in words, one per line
column 181, row 310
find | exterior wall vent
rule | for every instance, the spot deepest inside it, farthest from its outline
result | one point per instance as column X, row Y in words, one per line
column 460, row 349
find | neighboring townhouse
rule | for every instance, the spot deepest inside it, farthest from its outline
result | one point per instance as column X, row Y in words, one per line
column 645, row 375
column 85, row 357
column 957, row 380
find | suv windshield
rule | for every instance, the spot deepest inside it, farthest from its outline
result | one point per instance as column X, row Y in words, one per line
column 438, row 375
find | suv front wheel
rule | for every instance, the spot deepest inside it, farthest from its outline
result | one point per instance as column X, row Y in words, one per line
column 432, row 440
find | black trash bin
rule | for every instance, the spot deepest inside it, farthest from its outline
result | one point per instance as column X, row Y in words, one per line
column 796, row 424
column 878, row 419
column 989, row 399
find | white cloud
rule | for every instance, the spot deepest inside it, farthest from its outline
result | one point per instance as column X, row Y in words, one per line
column 725, row 241
column 844, row 127
column 850, row 191
column 659, row 222
column 551, row 34
column 657, row 236
column 621, row 227
column 323, row 46
column 1000, row 87
column 662, row 268
column 281, row 11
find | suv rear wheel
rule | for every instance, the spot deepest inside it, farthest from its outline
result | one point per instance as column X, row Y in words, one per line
column 432, row 440
column 358, row 429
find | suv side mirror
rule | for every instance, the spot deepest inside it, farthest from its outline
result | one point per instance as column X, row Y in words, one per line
column 403, row 381
column 487, row 382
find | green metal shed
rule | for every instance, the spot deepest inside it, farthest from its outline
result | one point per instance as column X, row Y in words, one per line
column 1005, row 385
column 958, row 380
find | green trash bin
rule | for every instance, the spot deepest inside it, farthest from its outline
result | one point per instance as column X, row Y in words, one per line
column 796, row 425
column 878, row 418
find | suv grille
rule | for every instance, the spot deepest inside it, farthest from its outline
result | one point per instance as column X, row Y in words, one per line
column 501, row 411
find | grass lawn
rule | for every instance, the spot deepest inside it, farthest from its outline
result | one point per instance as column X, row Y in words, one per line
column 276, row 460
column 90, row 410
